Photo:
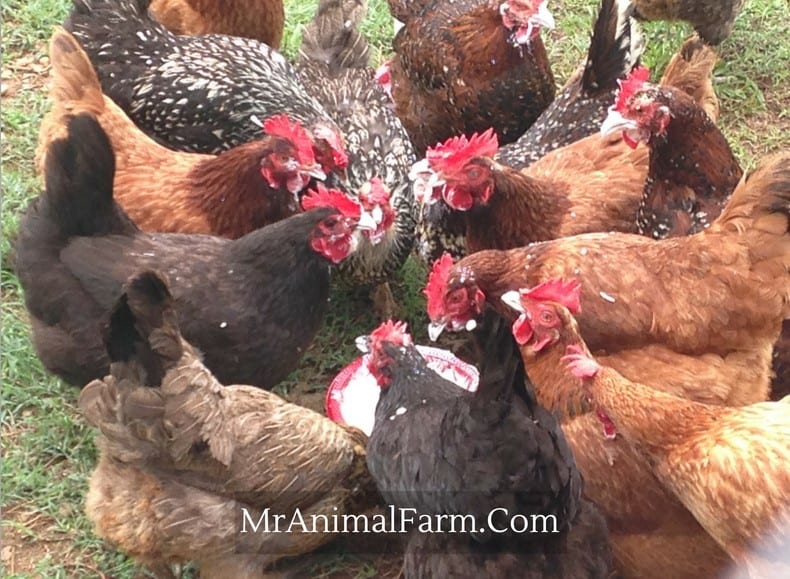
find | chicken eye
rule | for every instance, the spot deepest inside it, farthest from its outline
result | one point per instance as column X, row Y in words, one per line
column 547, row 317
column 474, row 173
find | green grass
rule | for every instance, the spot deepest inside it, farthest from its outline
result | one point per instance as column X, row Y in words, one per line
column 48, row 450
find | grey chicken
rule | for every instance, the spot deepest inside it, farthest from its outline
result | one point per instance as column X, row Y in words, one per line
column 187, row 464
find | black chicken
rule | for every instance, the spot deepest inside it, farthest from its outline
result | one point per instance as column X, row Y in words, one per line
column 441, row 450
column 251, row 305
column 195, row 93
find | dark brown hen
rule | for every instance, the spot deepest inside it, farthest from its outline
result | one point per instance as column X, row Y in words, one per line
column 466, row 65
column 251, row 305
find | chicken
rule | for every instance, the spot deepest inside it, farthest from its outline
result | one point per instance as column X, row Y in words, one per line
column 712, row 19
column 711, row 303
column 780, row 386
column 728, row 466
column 592, row 185
column 692, row 172
column 560, row 194
column 616, row 45
column 443, row 451
column 465, row 65
column 179, row 476
column 651, row 530
column 230, row 194
column 195, row 93
column 252, row 305
column 259, row 19
column 333, row 63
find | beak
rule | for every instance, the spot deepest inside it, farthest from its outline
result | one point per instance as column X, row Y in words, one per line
column 615, row 122
column 314, row 171
column 513, row 300
column 543, row 18
column 363, row 344
column 366, row 222
column 435, row 330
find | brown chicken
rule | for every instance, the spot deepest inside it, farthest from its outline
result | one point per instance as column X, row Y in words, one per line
column 653, row 535
column 592, row 185
column 596, row 183
column 186, row 464
column 712, row 19
column 710, row 304
column 728, row 466
column 229, row 194
column 259, row 19
column 693, row 171
column 466, row 65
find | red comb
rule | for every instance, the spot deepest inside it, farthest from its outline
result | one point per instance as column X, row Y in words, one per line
column 456, row 151
column 281, row 126
column 559, row 291
column 631, row 84
column 391, row 332
column 323, row 197
column 374, row 192
column 437, row 285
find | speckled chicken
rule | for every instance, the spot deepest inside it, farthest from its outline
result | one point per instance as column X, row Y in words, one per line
column 333, row 64
column 195, row 93
column 183, row 457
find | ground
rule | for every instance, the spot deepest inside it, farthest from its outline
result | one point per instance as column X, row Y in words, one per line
column 48, row 450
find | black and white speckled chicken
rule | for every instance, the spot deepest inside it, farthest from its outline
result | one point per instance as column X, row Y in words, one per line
column 195, row 93
column 333, row 64
column 577, row 112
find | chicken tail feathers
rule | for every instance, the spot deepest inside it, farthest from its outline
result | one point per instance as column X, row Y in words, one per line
column 79, row 173
column 502, row 372
column 691, row 70
column 144, row 329
column 332, row 38
column 74, row 88
column 616, row 46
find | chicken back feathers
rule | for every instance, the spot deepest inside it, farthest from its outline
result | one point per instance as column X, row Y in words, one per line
column 193, row 93
column 258, row 19
column 197, row 447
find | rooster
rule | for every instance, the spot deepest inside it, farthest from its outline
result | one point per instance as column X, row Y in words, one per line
column 333, row 63
column 693, row 170
column 716, row 299
column 728, row 466
column 230, row 194
column 252, row 305
column 196, row 93
column 259, row 19
column 441, row 450
column 181, row 454
column 462, row 66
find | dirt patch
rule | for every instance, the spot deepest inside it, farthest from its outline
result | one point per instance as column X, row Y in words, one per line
column 29, row 537
column 24, row 74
